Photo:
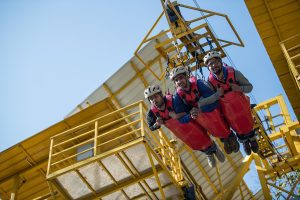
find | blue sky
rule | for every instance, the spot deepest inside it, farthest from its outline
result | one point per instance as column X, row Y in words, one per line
column 53, row 54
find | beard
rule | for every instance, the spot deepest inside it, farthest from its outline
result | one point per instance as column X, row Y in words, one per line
column 217, row 71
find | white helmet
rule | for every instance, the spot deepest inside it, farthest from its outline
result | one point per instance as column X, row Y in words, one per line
column 178, row 70
column 210, row 55
column 151, row 90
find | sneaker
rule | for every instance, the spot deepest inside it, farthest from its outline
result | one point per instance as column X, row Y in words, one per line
column 235, row 145
column 219, row 154
column 211, row 160
column 227, row 145
column 189, row 192
column 247, row 147
column 254, row 145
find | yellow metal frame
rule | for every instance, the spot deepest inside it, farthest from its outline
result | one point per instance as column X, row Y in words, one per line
column 271, row 166
column 218, row 194
column 129, row 123
column 171, row 49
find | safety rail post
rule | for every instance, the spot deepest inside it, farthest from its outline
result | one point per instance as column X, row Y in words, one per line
column 50, row 156
column 96, row 138
column 141, row 107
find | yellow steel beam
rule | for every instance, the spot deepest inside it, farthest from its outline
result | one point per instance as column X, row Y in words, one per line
column 291, row 193
column 272, row 20
column 177, row 184
column 279, row 188
column 52, row 192
column 283, row 166
column 202, row 170
column 284, row 109
column 111, row 95
column 14, row 193
column 134, row 173
column 198, row 188
column 221, row 15
column 261, row 176
column 111, row 177
column 127, row 183
column 219, row 179
column 138, row 197
column 149, row 32
column 241, row 171
column 232, row 163
column 155, row 172
column 3, row 193
column 139, row 73
column 170, row 40
column 46, row 196
column 61, row 191
column 85, row 182
column 241, row 192
column 22, row 172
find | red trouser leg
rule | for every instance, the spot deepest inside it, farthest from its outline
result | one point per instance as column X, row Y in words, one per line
column 192, row 134
column 214, row 123
column 237, row 111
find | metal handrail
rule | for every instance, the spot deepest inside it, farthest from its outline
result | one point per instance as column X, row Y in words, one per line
column 64, row 153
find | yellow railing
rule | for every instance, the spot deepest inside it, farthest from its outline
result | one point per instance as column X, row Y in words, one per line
column 108, row 135
column 291, row 50
column 279, row 147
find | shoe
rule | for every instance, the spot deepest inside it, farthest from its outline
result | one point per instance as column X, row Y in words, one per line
column 235, row 145
column 219, row 154
column 189, row 193
column 247, row 148
column 211, row 160
column 254, row 144
column 227, row 145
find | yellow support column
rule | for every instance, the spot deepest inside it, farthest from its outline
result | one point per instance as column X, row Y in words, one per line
column 263, row 181
column 241, row 171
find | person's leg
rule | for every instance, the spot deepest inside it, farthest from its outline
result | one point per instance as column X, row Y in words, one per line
column 219, row 154
column 227, row 145
column 234, row 144
column 253, row 142
column 211, row 151
column 217, row 126
column 245, row 142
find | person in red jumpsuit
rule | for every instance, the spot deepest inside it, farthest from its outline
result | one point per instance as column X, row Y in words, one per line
column 235, row 105
column 164, row 111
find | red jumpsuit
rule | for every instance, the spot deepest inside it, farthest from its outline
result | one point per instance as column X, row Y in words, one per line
column 211, row 121
column 190, row 133
column 234, row 105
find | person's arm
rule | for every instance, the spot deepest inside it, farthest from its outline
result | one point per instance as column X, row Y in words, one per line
column 245, row 85
column 151, row 121
column 181, row 109
column 208, row 96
